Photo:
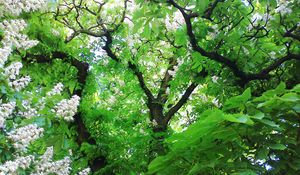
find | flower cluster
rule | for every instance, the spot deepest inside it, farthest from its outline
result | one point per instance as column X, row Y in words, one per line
column 12, row 35
column 57, row 89
column 66, row 109
column 5, row 111
column 23, row 136
column 45, row 165
column 13, row 70
column 85, row 172
column 257, row 18
column 176, row 22
column 16, row 7
column 28, row 113
column 61, row 167
column 283, row 8
column 20, row 83
column 11, row 167
column 4, row 53
column 47, row 156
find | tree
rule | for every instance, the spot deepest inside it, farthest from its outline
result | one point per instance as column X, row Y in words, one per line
column 146, row 30
column 152, row 73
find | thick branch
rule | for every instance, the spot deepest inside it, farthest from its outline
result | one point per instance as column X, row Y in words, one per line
column 263, row 74
column 82, row 67
column 208, row 12
column 140, row 77
column 131, row 66
column 243, row 76
column 162, row 92
column 289, row 32
column 184, row 98
column 180, row 103
column 291, row 35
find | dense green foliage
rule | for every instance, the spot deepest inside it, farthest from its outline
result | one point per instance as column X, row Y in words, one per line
column 166, row 87
column 250, row 136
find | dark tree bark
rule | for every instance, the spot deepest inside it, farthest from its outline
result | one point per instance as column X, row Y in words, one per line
column 83, row 134
column 244, row 77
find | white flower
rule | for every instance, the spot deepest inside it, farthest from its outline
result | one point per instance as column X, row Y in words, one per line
column 12, row 35
column 57, row 89
column 215, row 32
column 174, row 22
column 60, row 167
column 168, row 91
column 55, row 32
column 283, row 8
column 20, row 83
column 122, row 83
column 5, row 111
column 66, row 109
column 13, row 70
column 23, row 136
column 48, row 155
column 84, row 172
column 112, row 99
column 10, row 167
column 256, row 17
column 29, row 113
column 4, row 53
column 172, row 73
column 214, row 79
column 16, row 7
column 216, row 102
column 154, row 122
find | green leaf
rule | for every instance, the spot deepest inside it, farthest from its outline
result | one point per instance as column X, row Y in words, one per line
column 239, row 118
column 263, row 153
column 269, row 122
column 297, row 108
column 147, row 31
column 180, row 37
column 258, row 116
column 266, row 103
column 158, row 164
column 278, row 146
column 202, row 4
column 72, row 86
column 290, row 97
column 3, row 90
column 296, row 88
column 238, row 101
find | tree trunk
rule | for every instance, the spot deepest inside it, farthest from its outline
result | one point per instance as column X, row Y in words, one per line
column 159, row 129
column 157, row 147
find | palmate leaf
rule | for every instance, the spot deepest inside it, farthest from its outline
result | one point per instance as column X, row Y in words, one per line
column 198, row 133
column 208, row 121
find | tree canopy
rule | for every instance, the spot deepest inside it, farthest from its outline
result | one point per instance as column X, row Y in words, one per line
column 149, row 87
